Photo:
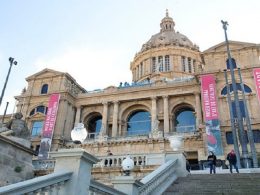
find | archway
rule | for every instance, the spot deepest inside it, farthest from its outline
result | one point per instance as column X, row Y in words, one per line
column 138, row 123
column 184, row 119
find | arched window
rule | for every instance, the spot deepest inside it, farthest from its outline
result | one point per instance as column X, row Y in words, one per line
column 139, row 122
column 44, row 89
column 247, row 89
column 185, row 120
column 39, row 109
column 94, row 126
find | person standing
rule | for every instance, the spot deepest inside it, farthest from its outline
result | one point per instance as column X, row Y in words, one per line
column 212, row 159
column 232, row 159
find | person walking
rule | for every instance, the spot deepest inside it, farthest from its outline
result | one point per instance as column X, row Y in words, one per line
column 212, row 159
column 232, row 159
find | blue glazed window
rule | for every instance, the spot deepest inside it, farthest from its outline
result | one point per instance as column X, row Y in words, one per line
column 246, row 88
column 37, row 128
column 94, row 126
column 139, row 123
column 185, row 121
column 44, row 89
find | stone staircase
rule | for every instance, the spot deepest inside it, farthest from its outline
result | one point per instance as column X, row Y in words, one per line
column 230, row 184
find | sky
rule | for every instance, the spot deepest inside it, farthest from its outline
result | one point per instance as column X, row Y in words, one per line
column 95, row 41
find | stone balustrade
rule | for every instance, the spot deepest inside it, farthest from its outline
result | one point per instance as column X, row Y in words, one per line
column 116, row 160
column 43, row 164
column 48, row 184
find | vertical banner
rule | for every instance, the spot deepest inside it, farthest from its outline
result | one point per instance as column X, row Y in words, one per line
column 49, row 125
column 256, row 72
column 211, row 117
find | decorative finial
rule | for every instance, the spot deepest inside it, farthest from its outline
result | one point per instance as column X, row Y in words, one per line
column 167, row 14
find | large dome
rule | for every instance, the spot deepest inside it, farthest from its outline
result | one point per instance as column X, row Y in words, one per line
column 168, row 36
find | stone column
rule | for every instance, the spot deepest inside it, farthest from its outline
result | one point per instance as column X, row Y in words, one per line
column 198, row 109
column 154, row 112
column 104, row 118
column 115, row 119
column 78, row 113
column 80, row 163
column 166, row 114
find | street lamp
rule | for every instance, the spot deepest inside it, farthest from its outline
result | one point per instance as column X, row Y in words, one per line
column 11, row 60
column 127, row 165
column 242, row 135
column 79, row 133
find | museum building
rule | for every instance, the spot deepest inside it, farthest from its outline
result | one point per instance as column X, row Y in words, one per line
column 165, row 98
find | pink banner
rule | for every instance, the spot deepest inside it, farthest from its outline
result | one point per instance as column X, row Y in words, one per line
column 209, row 100
column 256, row 72
column 210, row 110
column 49, row 125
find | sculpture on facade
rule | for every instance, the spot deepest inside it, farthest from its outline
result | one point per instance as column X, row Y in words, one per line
column 18, row 127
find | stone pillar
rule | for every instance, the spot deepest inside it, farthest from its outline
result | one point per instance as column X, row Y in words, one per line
column 115, row 119
column 154, row 112
column 78, row 113
column 127, row 184
column 166, row 114
column 80, row 163
column 104, row 118
column 198, row 109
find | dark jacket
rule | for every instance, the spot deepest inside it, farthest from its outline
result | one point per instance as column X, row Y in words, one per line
column 212, row 159
column 231, row 157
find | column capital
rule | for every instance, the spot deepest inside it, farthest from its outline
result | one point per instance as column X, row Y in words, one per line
column 153, row 97
column 105, row 103
column 116, row 102
column 165, row 97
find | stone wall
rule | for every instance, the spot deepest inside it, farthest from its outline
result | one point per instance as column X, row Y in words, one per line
column 15, row 162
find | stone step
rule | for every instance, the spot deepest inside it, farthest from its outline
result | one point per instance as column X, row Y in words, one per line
column 245, row 183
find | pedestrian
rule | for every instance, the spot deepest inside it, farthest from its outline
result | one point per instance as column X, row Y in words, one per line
column 212, row 159
column 232, row 159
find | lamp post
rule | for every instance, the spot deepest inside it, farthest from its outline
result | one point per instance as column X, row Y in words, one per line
column 11, row 60
column 79, row 133
column 242, row 135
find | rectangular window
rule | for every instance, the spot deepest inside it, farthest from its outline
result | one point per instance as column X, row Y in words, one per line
column 37, row 128
column 167, row 63
column 189, row 65
column 229, row 137
column 141, row 69
column 256, row 134
column 183, row 63
column 160, row 63
column 153, row 64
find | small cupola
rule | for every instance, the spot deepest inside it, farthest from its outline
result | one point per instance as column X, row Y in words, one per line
column 167, row 23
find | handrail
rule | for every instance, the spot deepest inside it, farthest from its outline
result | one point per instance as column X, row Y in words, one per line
column 43, row 183
column 158, row 177
column 100, row 188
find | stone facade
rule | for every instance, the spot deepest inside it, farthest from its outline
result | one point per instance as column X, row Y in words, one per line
column 166, row 81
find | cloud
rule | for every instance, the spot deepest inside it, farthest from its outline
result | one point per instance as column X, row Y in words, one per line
column 92, row 68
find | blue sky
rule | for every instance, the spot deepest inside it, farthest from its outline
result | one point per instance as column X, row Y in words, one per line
column 83, row 37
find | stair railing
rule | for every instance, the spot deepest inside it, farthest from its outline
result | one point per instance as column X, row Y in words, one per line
column 163, row 176
column 47, row 184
